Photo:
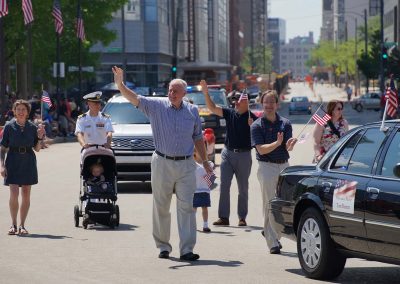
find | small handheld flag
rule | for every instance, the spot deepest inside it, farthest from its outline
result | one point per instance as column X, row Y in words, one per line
column 321, row 117
column 46, row 98
column 210, row 178
column 243, row 97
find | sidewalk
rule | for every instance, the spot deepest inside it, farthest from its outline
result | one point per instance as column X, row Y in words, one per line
column 59, row 139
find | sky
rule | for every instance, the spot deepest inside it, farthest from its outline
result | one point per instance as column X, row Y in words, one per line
column 301, row 16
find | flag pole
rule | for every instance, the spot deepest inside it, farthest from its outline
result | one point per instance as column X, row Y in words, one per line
column 41, row 105
column 383, row 127
column 309, row 121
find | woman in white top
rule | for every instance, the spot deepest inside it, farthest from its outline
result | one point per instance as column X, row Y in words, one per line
column 327, row 135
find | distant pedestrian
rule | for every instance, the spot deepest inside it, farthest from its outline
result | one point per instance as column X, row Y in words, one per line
column 327, row 135
column 349, row 92
column 271, row 135
column 18, row 164
column 236, row 155
column 176, row 127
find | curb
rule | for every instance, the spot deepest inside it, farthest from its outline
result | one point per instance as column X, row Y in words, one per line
column 58, row 139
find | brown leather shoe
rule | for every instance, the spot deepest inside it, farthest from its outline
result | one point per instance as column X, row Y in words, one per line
column 221, row 222
column 242, row 223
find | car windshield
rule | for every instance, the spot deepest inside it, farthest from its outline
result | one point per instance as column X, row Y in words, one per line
column 125, row 113
column 299, row 99
column 218, row 98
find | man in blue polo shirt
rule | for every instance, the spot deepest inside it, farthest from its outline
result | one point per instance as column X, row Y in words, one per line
column 176, row 127
column 236, row 156
column 271, row 135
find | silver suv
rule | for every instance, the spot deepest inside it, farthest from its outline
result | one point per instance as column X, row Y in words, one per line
column 132, row 140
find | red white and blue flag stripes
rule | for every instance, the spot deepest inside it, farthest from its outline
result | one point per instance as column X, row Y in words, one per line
column 3, row 8
column 58, row 20
column 28, row 11
column 243, row 97
column 391, row 96
column 210, row 178
column 80, row 29
column 46, row 98
column 321, row 117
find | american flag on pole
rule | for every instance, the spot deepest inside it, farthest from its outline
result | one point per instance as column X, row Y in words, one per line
column 391, row 96
column 80, row 29
column 243, row 97
column 210, row 178
column 3, row 8
column 321, row 117
column 28, row 11
column 46, row 98
column 58, row 21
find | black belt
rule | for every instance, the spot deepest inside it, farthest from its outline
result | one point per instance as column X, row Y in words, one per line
column 176, row 158
column 238, row 150
column 21, row 150
column 277, row 161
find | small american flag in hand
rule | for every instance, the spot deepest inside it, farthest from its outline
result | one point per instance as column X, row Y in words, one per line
column 210, row 178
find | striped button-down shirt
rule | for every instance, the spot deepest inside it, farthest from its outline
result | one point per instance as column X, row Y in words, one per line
column 174, row 129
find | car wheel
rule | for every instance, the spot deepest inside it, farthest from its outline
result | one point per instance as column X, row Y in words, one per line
column 317, row 254
column 359, row 108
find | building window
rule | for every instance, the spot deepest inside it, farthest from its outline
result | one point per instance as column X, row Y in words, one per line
column 163, row 11
column 132, row 10
column 150, row 10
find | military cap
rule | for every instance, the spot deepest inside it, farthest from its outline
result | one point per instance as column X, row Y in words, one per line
column 93, row 97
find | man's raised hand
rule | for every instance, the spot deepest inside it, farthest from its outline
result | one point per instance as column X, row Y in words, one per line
column 118, row 75
column 204, row 87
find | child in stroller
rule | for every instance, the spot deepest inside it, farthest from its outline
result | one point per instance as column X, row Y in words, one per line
column 98, row 192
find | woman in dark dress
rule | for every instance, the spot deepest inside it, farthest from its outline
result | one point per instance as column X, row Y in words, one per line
column 18, row 161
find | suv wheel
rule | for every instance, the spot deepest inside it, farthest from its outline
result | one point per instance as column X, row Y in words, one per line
column 317, row 254
column 359, row 108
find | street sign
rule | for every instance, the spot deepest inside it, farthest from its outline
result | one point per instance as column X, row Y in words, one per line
column 84, row 69
column 114, row 49
column 61, row 72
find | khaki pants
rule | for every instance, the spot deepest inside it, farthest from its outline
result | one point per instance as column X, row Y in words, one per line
column 268, row 174
column 167, row 176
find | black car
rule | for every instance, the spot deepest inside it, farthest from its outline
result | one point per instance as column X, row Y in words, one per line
column 218, row 124
column 348, row 205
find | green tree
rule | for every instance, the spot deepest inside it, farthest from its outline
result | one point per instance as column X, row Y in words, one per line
column 262, row 57
column 96, row 14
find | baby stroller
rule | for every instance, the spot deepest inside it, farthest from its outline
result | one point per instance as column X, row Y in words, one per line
column 97, row 201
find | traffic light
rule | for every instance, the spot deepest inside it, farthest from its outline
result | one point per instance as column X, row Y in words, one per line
column 384, row 54
column 173, row 68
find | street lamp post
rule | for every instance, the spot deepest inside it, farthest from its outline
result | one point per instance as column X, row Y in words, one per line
column 382, row 75
column 356, row 43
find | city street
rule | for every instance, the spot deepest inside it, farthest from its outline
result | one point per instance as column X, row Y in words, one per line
column 57, row 252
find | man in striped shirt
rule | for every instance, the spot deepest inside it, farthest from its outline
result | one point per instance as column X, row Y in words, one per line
column 271, row 135
column 176, row 127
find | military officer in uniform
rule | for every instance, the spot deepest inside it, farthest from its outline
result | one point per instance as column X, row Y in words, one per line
column 94, row 127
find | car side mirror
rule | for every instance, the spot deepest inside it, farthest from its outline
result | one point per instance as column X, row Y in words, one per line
column 396, row 170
